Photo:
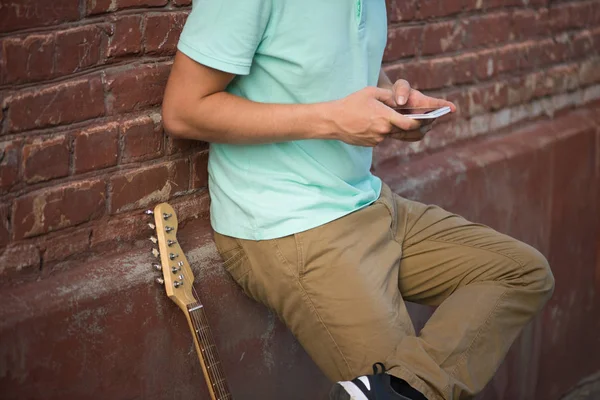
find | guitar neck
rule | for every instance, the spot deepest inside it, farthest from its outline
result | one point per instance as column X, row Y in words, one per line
column 207, row 352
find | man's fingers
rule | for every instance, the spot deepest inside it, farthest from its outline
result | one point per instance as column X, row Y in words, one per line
column 401, row 91
column 403, row 122
column 418, row 99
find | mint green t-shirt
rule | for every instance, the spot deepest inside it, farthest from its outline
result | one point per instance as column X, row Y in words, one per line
column 288, row 51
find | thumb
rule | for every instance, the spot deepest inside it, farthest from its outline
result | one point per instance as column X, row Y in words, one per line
column 401, row 91
column 385, row 96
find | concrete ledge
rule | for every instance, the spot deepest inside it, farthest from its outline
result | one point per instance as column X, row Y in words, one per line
column 103, row 330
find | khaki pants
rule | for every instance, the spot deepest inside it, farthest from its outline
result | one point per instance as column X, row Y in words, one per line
column 341, row 288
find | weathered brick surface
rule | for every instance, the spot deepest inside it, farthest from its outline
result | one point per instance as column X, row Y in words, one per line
column 19, row 260
column 59, row 104
column 80, row 48
column 145, row 186
column 96, row 148
column 162, row 31
column 126, row 36
column 61, row 247
column 49, row 210
column 103, row 6
column 199, row 170
column 46, row 159
column 20, row 14
column 142, row 139
column 136, row 87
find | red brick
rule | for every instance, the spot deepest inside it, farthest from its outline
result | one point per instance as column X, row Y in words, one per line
column 442, row 37
column 570, row 16
column 409, row 71
column 402, row 42
column 507, row 58
column 19, row 260
column 46, row 159
column 488, row 29
column 464, row 68
column 501, row 3
column 102, row 6
column 550, row 51
column 486, row 98
column 61, row 247
column 180, row 176
column 138, row 87
column 20, row 14
column 401, row 10
column 126, row 36
column 142, row 139
column 96, row 148
column 59, row 207
column 460, row 99
column 162, row 32
column 28, row 58
column 589, row 71
column 4, row 224
column 59, row 104
column 582, row 43
column 527, row 23
column 80, row 48
column 146, row 186
column 564, row 77
column 438, row 8
column 485, row 66
column 200, row 170
column 182, row 2
column 9, row 164
column 119, row 229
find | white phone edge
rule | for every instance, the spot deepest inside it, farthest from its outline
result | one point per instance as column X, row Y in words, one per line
column 432, row 115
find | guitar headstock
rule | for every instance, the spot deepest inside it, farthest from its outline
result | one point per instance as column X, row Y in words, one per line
column 178, row 277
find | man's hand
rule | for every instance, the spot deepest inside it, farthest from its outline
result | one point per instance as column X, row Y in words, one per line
column 405, row 96
column 366, row 117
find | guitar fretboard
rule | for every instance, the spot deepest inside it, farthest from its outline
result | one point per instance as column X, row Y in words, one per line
column 208, row 351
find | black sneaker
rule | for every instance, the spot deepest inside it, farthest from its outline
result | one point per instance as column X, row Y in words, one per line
column 370, row 387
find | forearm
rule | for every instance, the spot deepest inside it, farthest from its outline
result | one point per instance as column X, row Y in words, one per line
column 226, row 118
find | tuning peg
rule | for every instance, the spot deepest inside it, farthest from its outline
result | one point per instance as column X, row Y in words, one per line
column 173, row 256
column 160, row 281
column 171, row 242
column 168, row 229
column 149, row 212
column 157, row 267
column 153, row 239
column 177, row 284
column 152, row 226
column 167, row 216
column 155, row 253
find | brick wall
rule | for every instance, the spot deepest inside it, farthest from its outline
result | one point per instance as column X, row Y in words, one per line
column 82, row 149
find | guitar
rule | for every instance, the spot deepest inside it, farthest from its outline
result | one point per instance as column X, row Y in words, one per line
column 178, row 279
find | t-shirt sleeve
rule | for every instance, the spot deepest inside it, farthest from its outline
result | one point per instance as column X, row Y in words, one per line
column 224, row 34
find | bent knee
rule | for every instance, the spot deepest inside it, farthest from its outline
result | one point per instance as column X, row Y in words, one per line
column 537, row 274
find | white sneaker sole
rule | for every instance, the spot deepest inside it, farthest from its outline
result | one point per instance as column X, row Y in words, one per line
column 353, row 390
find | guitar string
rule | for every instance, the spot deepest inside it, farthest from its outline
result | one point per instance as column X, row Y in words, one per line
column 213, row 352
column 212, row 357
column 218, row 374
column 217, row 363
column 203, row 342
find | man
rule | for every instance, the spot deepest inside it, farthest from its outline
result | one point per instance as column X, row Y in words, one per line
column 292, row 98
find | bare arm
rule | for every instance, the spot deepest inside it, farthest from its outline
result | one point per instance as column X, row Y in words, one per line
column 196, row 106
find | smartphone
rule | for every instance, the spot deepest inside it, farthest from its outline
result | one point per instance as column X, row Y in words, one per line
column 423, row 113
